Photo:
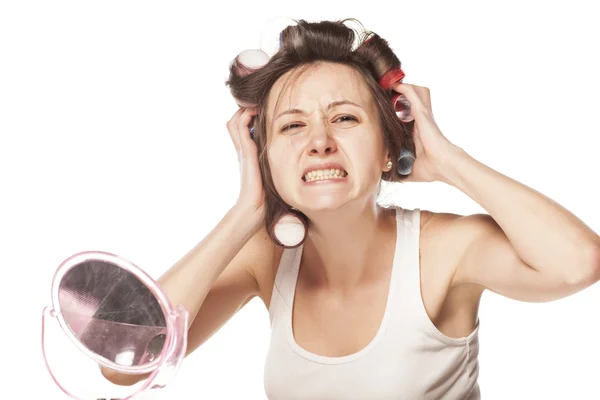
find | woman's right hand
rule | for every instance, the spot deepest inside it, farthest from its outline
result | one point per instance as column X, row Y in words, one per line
column 252, row 196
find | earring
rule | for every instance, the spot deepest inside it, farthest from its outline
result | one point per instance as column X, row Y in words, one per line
column 289, row 230
column 389, row 165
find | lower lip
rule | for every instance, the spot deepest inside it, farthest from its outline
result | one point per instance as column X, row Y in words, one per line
column 326, row 181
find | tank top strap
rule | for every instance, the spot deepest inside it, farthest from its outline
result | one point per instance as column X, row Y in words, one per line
column 408, row 275
column 409, row 298
column 282, row 296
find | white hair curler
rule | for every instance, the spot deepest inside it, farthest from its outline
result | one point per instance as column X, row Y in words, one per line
column 289, row 230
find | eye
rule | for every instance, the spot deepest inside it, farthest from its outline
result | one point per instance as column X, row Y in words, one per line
column 285, row 128
column 290, row 126
column 347, row 116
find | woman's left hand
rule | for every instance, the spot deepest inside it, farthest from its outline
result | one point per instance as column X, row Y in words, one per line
column 433, row 149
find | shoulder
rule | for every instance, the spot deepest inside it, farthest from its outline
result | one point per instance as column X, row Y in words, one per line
column 264, row 273
column 431, row 220
column 454, row 229
column 446, row 237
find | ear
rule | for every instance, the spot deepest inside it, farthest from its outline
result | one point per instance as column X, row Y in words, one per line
column 387, row 155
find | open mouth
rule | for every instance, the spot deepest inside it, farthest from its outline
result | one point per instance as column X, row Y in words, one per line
column 325, row 174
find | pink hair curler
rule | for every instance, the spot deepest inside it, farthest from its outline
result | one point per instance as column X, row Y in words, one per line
column 402, row 107
column 289, row 230
column 401, row 104
column 118, row 316
column 252, row 60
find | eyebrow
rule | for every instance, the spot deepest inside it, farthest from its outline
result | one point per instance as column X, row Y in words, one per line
column 329, row 107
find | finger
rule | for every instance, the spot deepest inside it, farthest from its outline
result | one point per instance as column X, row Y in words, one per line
column 245, row 105
column 233, row 134
column 425, row 96
column 417, row 141
column 411, row 92
column 243, row 129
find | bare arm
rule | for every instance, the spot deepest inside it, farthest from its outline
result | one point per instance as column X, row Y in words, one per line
column 529, row 248
column 215, row 279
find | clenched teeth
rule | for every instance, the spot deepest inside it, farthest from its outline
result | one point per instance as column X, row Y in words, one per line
column 321, row 174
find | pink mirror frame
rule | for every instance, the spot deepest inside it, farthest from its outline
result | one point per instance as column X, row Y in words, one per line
column 165, row 365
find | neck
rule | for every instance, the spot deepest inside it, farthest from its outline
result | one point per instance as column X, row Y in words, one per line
column 344, row 244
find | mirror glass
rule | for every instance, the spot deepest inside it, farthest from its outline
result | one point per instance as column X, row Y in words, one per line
column 112, row 313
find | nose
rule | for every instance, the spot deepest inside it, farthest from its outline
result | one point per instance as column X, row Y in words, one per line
column 321, row 143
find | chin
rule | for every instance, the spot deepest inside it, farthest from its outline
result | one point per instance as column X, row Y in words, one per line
column 323, row 203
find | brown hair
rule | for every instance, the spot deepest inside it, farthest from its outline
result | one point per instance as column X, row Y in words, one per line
column 307, row 44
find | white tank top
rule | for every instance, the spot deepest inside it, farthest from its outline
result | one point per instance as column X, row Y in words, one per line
column 409, row 358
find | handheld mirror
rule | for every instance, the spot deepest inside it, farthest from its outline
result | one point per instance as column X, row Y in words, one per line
column 118, row 316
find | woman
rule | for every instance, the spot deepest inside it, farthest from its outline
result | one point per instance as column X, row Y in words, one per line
column 375, row 302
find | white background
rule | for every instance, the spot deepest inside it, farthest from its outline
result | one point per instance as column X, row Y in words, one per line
column 112, row 123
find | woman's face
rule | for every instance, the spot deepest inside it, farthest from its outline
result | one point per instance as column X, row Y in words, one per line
column 319, row 131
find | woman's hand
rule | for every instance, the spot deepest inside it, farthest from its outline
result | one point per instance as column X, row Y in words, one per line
column 432, row 147
column 252, row 196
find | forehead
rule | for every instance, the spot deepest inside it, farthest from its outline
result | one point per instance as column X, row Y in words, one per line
column 318, row 84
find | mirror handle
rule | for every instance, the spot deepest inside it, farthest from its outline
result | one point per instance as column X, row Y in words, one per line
column 177, row 348
column 49, row 311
